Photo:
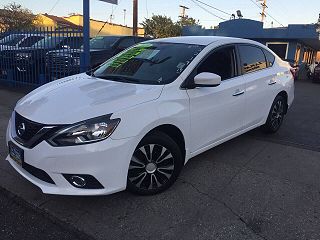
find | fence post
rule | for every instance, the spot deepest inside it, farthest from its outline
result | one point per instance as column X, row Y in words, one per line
column 86, row 36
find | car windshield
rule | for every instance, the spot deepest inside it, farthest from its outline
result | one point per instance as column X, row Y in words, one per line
column 48, row 42
column 149, row 63
column 11, row 40
column 102, row 42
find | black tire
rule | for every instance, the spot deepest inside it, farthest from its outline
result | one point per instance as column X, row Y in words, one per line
column 276, row 115
column 155, row 164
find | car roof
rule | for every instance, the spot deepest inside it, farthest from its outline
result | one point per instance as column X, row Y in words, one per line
column 204, row 40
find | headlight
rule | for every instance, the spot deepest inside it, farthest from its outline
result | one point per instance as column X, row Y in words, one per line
column 23, row 55
column 89, row 131
column 76, row 61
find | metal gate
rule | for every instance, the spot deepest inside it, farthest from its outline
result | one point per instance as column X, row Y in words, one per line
column 33, row 58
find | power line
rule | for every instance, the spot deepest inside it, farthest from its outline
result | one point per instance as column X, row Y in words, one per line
column 196, row 2
column 210, row 6
column 268, row 14
column 104, row 24
column 54, row 5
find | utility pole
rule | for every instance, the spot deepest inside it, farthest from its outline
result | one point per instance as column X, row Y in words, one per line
column 183, row 11
column 264, row 6
column 124, row 16
column 135, row 18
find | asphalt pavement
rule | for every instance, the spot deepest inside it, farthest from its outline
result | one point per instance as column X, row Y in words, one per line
column 255, row 186
column 19, row 220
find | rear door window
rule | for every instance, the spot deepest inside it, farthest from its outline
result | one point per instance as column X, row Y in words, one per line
column 252, row 59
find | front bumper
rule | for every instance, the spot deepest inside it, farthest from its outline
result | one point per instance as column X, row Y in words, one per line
column 107, row 161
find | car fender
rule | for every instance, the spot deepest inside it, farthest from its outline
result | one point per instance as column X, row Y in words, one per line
column 143, row 118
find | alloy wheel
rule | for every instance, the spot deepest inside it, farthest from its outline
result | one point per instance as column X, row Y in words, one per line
column 151, row 167
column 277, row 114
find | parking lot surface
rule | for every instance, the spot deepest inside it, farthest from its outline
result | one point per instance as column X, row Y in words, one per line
column 256, row 186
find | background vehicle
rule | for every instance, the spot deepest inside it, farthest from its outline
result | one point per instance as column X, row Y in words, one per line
column 294, row 68
column 316, row 74
column 311, row 68
column 30, row 61
column 101, row 49
column 14, row 41
column 9, row 44
column 136, row 120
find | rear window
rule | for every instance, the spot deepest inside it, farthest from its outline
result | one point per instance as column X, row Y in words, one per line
column 29, row 41
column 12, row 40
column 103, row 42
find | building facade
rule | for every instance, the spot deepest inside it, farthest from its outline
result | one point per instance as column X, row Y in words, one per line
column 102, row 28
column 297, row 42
column 75, row 22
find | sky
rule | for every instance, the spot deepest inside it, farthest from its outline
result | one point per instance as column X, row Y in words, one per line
column 284, row 11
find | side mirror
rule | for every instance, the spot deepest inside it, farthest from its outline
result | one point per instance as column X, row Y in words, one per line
column 206, row 79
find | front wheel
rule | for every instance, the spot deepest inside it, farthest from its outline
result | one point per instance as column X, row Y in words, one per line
column 155, row 164
column 276, row 115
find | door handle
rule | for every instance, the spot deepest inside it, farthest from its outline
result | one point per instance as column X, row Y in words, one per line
column 238, row 92
column 272, row 82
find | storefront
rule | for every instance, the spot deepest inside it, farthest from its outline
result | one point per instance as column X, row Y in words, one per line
column 298, row 42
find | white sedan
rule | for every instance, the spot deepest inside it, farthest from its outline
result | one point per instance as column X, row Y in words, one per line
column 136, row 120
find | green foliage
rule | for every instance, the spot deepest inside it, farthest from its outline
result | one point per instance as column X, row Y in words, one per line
column 14, row 17
column 187, row 21
column 162, row 26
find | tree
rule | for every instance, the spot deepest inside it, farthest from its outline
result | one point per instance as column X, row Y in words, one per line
column 187, row 21
column 14, row 17
column 160, row 27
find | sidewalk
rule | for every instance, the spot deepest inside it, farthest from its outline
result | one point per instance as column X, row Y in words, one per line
column 256, row 186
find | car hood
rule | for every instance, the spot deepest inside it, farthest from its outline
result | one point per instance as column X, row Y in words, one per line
column 80, row 97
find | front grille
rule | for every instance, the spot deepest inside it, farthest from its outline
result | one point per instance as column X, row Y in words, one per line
column 29, row 133
column 38, row 173
column 26, row 129
column 55, row 61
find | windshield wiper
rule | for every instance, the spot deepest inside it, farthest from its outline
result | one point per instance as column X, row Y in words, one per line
column 90, row 73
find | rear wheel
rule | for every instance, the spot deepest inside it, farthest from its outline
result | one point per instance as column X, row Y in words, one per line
column 276, row 115
column 155, row 165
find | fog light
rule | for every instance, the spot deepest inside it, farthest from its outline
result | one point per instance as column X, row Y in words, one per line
column 77, row 181
column 84, row 181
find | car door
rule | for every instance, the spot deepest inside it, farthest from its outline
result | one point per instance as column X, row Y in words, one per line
column 260, row 81
column 217, row 112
